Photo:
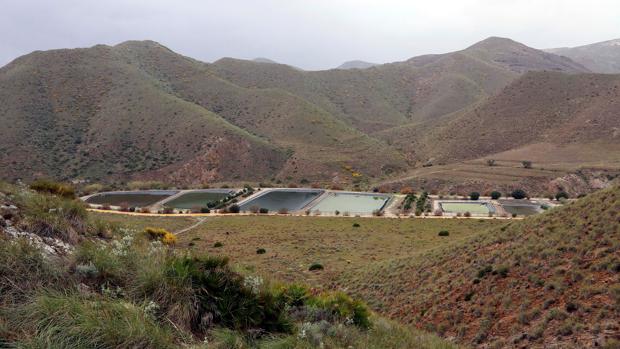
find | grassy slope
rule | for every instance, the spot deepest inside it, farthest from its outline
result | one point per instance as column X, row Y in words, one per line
column 554, row 281
column 120, row 121
column 293, row 243
column 126, row 291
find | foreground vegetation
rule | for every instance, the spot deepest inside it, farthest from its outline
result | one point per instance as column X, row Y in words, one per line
column 117, row 286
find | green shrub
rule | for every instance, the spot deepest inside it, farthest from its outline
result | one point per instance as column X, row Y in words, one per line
column 218, row 244
column 263, row 210
column 54, row 188
column 64, row 320
column 234, row 208
column 561, row 195
column 356, row 225
column 518, row 194
column 315, row 266
column 444, row 233
column 53, row 216
column 261, row 251
column 474, row 195
column 205, row 210
column 23, row 268
column 484, row 271
column 343, row 306
column 502, row 271
column 495, row 195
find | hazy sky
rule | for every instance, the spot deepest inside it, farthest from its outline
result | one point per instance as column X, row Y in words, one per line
column 311, row 34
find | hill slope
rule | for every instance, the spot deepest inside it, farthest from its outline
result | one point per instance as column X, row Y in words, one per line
column 539, row 107
column 544, row 281
column 138, row 109
column 600, row 57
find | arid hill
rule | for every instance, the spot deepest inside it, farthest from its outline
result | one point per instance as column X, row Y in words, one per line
column 546, row 281
column 601, row 57
column 139, row 110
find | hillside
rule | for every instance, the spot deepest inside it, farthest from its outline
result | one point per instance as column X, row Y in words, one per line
column 139, row 110
column 600, row 57
column 549, row 280
column 540, row 107
column 71, row 280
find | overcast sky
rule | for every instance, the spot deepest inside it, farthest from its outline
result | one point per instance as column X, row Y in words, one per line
column 311, row 34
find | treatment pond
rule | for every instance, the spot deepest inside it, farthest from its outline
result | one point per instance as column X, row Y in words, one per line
column 353, row 203
column 282, row 199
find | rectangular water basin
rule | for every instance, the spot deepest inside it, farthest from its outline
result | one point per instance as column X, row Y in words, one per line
column 198, row 198
column 353, row 203
column 278, row 199
column 520, row 207
column 466, row 206
column 130, row 198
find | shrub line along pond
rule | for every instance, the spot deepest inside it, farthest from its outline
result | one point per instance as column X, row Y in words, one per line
column 138, row 198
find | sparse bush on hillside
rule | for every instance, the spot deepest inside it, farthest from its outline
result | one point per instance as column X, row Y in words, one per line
column 54, row 188
column 490, row 162
column 444, row 233
column 526, row 164
column 561, row 195
column 356, row 225
column 218, row 244
column 518, row 194
column 159, row 234
column 261, row 251
column 315, row 266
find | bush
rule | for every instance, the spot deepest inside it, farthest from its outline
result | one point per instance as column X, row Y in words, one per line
column 315, row 266
column 495, row 195
column 444, row 233
column 159, row 234
column 54, row 188
column 518, row 194
column 474, row 195
column 561, row 195
column 490, row 162
column 356, row 225
column 234, row 208
column 254, row 209
column 261, row 251
column 467, row 214
column 377, row 213
column 53, row 216
column 218, row 244
column 283, row 210
column 192, row 289
column 526, row 164
column 263, row 210
column 344, row 307
column 205, row 210
column 92, row 322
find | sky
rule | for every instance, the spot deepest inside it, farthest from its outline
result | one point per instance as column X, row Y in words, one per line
column 310, row 34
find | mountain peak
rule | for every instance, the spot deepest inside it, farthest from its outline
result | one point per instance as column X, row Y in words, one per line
column 356, row 64
column 495, row 42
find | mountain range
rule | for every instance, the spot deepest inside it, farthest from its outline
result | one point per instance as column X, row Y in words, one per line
column 140, row 110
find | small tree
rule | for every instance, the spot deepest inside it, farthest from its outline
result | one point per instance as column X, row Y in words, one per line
column 234, row 208
column 474, row 195
column 518, row 194
column 495, row 195
column 490, row 162
column 526, row 164
column 561, row 195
